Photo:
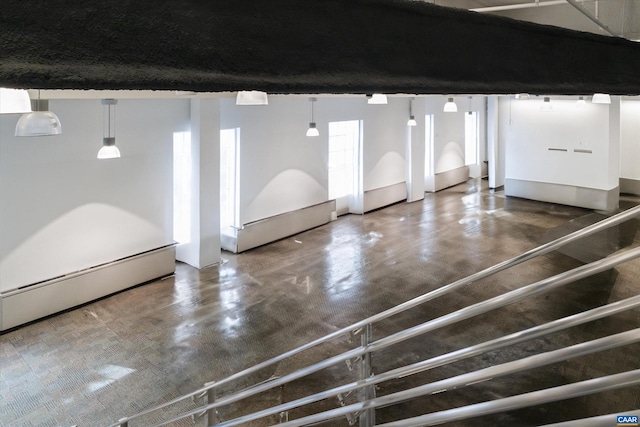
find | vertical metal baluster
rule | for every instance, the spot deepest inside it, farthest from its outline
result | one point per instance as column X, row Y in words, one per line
column 368, row 416
column 211, row 415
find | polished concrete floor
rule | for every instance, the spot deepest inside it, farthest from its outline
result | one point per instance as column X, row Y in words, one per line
column 117, row 356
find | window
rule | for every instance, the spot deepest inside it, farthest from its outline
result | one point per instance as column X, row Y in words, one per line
column 229, row 178
column 471, row 138
column 344, row 138
column 182, row 187
column 428, row 149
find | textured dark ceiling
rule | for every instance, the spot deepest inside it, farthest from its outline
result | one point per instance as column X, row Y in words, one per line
column 301, row 46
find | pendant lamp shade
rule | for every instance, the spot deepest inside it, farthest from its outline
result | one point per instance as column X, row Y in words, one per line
column 522, row 96
column 14, row 101
column 377, row 99
column 252, row 97
column 450, row 106
column 40, row 122
column 313, row 130
column 109, row 149
column 601, row 98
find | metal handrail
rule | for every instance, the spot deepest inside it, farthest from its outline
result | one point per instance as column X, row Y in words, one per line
column 564, row 392
column 538, row 251
column 445, row 320
column 444, row 359
column 475, row 377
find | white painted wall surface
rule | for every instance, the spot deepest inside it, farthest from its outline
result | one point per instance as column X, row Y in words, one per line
column 449, row 131
column 630, row 139
column 527, row 133
column 385, row 130
column 63, row 210
column 283, row 170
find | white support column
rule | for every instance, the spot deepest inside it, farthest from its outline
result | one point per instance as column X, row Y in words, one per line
column 204, row 246
column 495, row 154
column 414, row 156
column 615, row 133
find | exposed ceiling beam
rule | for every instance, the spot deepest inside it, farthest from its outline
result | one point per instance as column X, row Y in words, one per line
column 588, row 14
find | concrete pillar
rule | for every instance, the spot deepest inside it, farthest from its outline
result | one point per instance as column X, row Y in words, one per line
column 615, row 132
column 495, row 153
column 203, row 249
column 414, row 156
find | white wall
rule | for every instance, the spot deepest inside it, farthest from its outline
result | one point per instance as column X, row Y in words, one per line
column 63, row 210
column 385, row 130
column 527, row 133
column 449, row 131
column 630, row 139
column 283, row 170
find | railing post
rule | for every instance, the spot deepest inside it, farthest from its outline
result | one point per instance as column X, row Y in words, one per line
column 368, row 416
column 211, row 415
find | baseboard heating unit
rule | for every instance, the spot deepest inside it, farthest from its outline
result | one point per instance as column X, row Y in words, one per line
column 29, row 303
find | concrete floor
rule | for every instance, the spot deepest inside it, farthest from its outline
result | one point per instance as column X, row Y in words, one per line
column 117, row 356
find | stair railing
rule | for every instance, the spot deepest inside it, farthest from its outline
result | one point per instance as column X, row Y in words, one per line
column 363, row 353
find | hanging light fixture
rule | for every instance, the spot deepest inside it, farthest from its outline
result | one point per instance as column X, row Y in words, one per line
column 412, row 120
column 377, row 98
column 601, row 98
column 14, row 101
column 581, row 103
column 450, row 106
column 313, row 130
column 109, row 149
column 252, row 97
column 40, row 122
column 546, row 104
column 522, row 96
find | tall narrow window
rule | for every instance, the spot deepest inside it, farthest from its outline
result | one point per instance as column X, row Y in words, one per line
column 229, row 178
column 344, row 163
column 182, row 187
column 428, row 145
column 471, row 138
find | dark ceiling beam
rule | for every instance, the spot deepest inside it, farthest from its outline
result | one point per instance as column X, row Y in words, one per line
column 301, row 46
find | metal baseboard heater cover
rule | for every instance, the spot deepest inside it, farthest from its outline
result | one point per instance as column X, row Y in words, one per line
column 30, row 303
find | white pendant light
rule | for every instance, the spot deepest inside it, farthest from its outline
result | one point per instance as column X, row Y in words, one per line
column 450, row 106
column 14, row 101
column 313, row 130
column 546, row 104
column 40, row 122
column 377, row 98
column 522, row 96
column 412, row 120
column 109, row 149
column 252, row 97
column 581, row 103
column 601, row 98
